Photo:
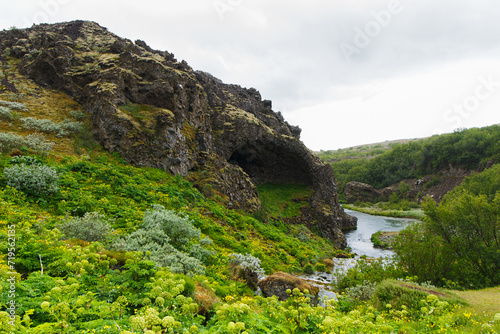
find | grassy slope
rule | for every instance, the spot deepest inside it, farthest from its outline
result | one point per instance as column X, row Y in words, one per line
column 483, row 301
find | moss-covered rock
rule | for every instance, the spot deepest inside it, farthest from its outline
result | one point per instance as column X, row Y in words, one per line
column 278, row 283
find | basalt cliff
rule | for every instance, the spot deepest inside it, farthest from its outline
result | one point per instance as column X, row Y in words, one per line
column 156, row 111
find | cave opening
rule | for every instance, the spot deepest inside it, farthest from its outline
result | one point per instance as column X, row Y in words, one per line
column 271, row 164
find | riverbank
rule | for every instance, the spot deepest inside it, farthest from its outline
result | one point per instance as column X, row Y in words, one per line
column 413, row 213
column 383, row 239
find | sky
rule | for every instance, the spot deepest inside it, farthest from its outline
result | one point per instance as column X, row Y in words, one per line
column 348, row 72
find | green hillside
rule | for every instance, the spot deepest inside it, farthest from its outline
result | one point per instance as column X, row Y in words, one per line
column 379, row 166
column 91, row 244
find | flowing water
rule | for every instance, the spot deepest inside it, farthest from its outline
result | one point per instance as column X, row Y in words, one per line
column 359, row 242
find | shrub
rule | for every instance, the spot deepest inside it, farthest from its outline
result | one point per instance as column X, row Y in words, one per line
column 368, row 271
column 33, row 179
column 27, row 160
column 36, row 142
column 309, row 269
column 320, row 267
column 468, row 226
column 179, row 229
column 248, row 262
column 13, row 105
column 48, row 126
column 432, row 182
column 91, row 227
column 398, row 294
column 169, row 240
column 6, row 114
column 77, row 114
column 361, row 292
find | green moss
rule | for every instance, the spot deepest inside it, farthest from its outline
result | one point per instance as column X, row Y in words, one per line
column 284, row 200
column 144, row 115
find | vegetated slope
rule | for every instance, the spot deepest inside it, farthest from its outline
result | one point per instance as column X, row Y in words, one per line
column 459, row 241
column 158, row 112
column 361, row 151
column 455, row 154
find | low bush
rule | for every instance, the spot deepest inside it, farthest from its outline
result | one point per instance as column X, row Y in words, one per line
column 48, row 126
column 91, row 227
column 398, row 294
column 373, row 271
column 309, row 269
column 6, row 114
column 169, row 240
column 320, row 267
column 248, row 262
column 35, row 179
column 13, row 105
column 35, row 142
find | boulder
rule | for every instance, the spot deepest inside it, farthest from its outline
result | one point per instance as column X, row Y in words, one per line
column 278, row 283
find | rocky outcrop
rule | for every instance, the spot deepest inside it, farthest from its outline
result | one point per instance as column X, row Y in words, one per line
column 156, row 111
column 362, row 192
column 278, row 283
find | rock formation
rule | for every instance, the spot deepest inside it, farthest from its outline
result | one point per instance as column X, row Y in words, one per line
column 357, row 191
column 156, row 111
column 278, row 283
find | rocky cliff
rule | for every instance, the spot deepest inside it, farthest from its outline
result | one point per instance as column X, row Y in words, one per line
column 156, row 111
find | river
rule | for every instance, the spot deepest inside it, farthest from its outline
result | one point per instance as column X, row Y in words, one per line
column 359, row 239
column 359, row 242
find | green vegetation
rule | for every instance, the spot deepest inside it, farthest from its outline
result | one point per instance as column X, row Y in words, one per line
column 90, row 286
column 469, row 149
column 378, row 240
column 283, row 200
column 482, row 301
column 358, row 152
column 383, row 209
column 91, row 227
column 458, row 244
column 46, row 125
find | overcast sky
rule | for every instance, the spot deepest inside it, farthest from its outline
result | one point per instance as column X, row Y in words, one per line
column 347, row 72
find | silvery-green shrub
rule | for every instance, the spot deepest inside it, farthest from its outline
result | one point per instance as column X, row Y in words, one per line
column 37, row 179
column 248, row 262
column 93, row 226
column 36, row 142
column 169, row 240
column 179, row 229
column 27, row 160
column 361, row 292
column 6, row 114
column 49, row 126
column 13, row 105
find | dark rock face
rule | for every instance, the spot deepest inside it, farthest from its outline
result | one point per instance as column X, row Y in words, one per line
column 155, row 111
column 278, row 283
column 358, row 191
